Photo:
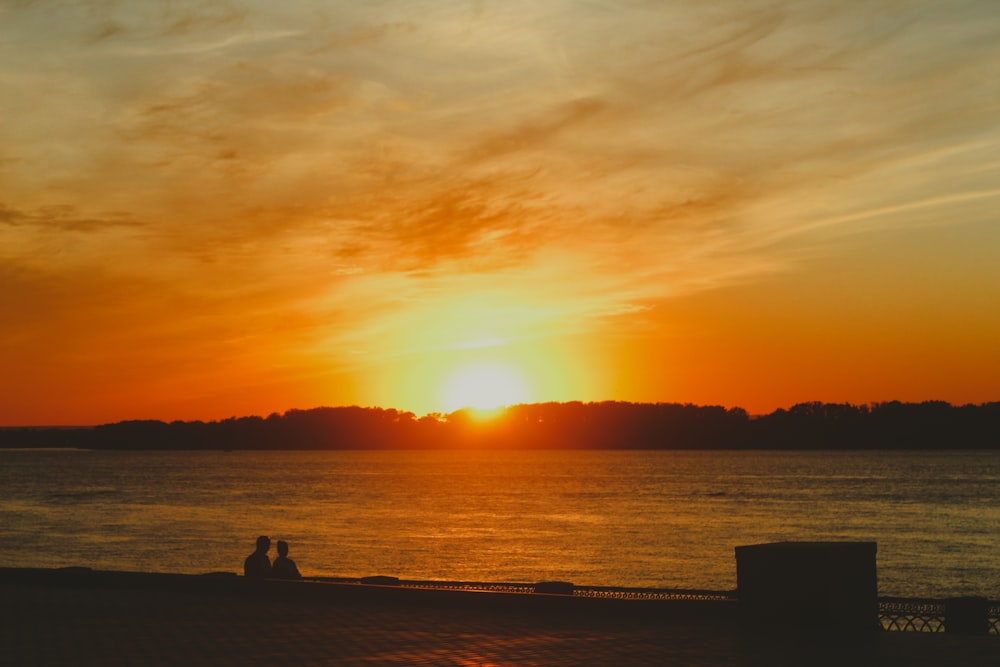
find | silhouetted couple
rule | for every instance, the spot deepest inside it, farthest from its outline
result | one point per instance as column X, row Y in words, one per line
column 259, row 565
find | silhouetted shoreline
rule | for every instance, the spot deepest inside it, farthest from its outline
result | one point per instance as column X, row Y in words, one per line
column 111, row 618
column 574, row 425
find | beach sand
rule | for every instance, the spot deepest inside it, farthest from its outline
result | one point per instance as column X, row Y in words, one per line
column 51, row 618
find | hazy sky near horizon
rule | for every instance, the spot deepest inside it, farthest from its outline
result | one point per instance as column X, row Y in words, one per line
column 225, row 208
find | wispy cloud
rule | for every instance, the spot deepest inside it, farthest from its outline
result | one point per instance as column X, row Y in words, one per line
column 373, row 163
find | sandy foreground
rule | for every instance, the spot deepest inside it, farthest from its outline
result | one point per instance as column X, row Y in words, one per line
column 80, row 618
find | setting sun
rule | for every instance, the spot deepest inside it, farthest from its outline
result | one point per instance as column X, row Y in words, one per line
column 483, row 386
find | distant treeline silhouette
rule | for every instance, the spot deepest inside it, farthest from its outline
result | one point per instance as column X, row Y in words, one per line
column 573, row 425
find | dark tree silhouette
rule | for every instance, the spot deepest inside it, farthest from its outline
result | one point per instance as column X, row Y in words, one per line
column 572, row 425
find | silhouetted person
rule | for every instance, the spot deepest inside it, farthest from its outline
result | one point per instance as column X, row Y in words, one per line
column 258, row 564
column 284, row 567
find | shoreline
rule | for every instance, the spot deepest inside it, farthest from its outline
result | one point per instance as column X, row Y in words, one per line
column 77, row 616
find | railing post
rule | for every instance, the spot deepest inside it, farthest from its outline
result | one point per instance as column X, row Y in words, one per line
column 966, row 616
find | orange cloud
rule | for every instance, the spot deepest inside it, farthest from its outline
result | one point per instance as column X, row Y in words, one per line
column 302, row 198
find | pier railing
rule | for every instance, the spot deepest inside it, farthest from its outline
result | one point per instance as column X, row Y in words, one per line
column 551, row 587
column 931, row 615
column 911, row 614
column 961, row 615
column 895, row 614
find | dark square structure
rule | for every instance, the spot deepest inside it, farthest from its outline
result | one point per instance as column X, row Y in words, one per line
column 816, row 586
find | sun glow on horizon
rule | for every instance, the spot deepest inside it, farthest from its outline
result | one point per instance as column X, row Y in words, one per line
column 485, row 387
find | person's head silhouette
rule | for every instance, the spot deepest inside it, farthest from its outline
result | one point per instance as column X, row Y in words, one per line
column 282, row 548
column 263, row 544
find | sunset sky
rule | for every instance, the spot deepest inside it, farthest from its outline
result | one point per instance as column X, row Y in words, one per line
column 214, row 209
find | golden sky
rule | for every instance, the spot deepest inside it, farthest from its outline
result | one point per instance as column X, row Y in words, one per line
column 211, row 209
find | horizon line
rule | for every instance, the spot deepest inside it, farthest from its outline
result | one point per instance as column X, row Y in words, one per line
column 499, row 409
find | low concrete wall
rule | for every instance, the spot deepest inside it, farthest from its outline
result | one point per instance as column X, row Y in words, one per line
column 550, row 602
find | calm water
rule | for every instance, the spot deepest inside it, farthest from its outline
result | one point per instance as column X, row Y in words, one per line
column 662, row 519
